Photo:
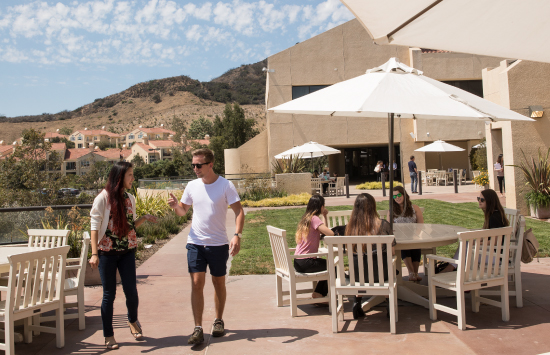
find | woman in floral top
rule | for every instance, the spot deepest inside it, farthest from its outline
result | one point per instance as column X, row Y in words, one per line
column 113, row 232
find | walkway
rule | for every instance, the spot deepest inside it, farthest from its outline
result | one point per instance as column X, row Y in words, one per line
column 256, row 326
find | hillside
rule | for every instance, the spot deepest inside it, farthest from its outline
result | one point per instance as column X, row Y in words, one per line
column 154, row 102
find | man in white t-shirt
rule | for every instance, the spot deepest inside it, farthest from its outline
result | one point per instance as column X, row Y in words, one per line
column 207, row 243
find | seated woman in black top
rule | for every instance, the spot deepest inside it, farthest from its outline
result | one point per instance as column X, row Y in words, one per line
column 364, row 220
column 494, row 216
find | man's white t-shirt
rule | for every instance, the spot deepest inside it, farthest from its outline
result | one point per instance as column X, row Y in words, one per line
column 209, row 203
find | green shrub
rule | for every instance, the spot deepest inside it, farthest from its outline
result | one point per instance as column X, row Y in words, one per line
column 376, row 185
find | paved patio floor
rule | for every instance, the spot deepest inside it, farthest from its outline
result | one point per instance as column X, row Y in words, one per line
column 255, row 325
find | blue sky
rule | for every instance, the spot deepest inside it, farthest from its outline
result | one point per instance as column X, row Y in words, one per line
column 62, row 55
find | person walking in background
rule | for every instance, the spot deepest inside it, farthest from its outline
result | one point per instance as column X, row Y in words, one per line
column 499, row 170
column 413, row 172
column 378, row 169
column 207, row 243
column 114, row 242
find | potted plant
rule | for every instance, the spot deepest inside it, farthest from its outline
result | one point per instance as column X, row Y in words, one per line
column 482, row 179
column 537, row 183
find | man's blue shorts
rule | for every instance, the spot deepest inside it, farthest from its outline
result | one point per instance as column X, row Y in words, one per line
column 198, row 256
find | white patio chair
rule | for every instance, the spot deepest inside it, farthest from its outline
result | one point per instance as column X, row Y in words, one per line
column 48, row 238
column 517, row 222
column 474, row 273
column 74, row 286
column 35, row 286
column 340, row 186
column 476, row 173
column 284, row 270
column 441, row 176
column 338, row 218
column 341, row 286
column 461, row 176
column 316, row 186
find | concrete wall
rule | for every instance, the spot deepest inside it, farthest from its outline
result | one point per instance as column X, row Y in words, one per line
column 516, row 86
column 248, row 158
column 294, row 183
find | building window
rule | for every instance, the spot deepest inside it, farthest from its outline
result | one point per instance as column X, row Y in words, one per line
column 472, row 86
column 130, row 136
column 140, row 135
column 299, row 91
column 96, row 138
column 85, row 163
column 72, row 138
column 79, row 138
column 158, row 136
column 79, row 145
column 71, row 166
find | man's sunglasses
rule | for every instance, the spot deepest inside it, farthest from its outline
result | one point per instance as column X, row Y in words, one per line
column 198, row 166
column 398, row 195
column 480, row 199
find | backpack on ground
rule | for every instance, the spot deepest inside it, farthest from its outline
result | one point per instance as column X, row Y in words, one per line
column 530, row 246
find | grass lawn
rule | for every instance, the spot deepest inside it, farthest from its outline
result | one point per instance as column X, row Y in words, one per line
column 255, row 256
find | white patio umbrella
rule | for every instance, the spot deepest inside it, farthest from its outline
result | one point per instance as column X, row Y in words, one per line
column 499, row 28
column 308, row 151
column 440, row 146
column 395, row 88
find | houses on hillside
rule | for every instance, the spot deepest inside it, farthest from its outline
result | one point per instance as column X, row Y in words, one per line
column 152, row 144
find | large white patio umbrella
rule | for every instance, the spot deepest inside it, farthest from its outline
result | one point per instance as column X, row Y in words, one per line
column 499, row 28
column 439, row 146
column 395, row 88
column 308, row 150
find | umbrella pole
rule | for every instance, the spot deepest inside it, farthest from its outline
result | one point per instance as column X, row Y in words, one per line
column 312, row 162
column 390, row 136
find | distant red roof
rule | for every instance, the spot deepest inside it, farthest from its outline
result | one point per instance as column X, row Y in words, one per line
column 144, row 146
column 97, row 132
column 5, row 150
column 114, row 153
column 200, row 141
column 75, row 153
column 426, row 50
column 156, row 130
column 59, row 146
column 163, row 144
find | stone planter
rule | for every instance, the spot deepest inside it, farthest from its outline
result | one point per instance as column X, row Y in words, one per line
column 296, row 183
column 540, row 212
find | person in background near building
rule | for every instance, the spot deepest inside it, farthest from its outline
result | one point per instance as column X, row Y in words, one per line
column 413, row 171
column 378, row 169
column 315, row 174
column 499, row 170
column 114, row 241
column 207, row 243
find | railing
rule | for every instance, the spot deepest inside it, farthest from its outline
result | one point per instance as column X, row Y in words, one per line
column 179, row 182
column 14, row 221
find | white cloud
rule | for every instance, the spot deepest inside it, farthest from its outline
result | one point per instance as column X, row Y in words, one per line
column 154, row 31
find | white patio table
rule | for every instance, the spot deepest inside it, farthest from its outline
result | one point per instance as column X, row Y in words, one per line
column 417, row 236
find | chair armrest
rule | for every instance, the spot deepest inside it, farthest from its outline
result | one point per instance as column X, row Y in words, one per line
column 4, row 288
column 442, row 258
column 73, row 267
column 72, row 260
column 307, row 255
column 291, row 249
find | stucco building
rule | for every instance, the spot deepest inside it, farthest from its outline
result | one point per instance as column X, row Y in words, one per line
column 342, row 53
column 84, row 138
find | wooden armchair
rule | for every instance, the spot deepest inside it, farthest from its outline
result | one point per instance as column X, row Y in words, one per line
column 284, row 270
column 369, row 284
column 35, row 286
column 482, row 263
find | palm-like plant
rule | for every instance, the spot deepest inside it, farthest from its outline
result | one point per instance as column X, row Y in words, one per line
column 537, row 178
column 292, row 164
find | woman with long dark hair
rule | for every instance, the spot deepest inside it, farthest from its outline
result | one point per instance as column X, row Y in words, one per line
column 364, row 220
column 308, row 234
column 405, row 212
column 114, row 242
column 493, row 212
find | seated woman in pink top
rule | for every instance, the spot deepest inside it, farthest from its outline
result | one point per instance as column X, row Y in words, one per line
column 308, row 234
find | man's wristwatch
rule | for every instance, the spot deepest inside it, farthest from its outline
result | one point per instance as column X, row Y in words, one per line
column 240, row 235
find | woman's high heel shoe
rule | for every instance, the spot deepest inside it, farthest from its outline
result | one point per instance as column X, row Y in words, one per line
column 135, row 329
column 110, row 343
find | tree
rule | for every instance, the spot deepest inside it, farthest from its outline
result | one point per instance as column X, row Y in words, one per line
column 199, row 128
column 67, row 142
column 138, row 161
column 67, row 131
column 178, row 126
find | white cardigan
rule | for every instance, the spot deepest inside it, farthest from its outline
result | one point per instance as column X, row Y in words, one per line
column 101, row 210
